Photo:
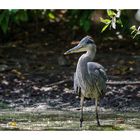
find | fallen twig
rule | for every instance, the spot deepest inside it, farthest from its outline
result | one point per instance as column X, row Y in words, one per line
column 59, row 82
column 123, row 83
column 108, row 83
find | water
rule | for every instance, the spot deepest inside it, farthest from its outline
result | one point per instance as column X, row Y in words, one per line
column 67, row 120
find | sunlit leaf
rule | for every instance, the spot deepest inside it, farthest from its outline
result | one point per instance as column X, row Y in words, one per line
column 106, row 21
column 133, row 27
column 104, row 28
column 111, row 13
column 138, row 33
column 133, row 31
column 134, row 36
column 13, row 123
column 51, row 15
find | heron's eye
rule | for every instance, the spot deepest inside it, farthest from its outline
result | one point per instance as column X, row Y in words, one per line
column 89, row 42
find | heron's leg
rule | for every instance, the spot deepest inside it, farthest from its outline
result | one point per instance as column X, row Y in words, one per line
column 96, row 110
column 81, row 115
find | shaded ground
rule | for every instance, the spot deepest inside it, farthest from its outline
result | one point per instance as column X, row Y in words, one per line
column 28, row 67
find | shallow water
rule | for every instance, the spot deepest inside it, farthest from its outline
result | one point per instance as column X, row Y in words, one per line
column 67, row 120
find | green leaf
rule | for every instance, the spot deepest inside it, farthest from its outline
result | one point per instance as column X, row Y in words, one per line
column 21, row 15
column 4, row 24
column 4, row 20
column 104, row 28
column 106, row 21
column 133, row 31
column 51, row 16
column 111, row 13
column 133, row 27
column 24, row 17
column 119, row 22
column 137, row 33
column 2, row 15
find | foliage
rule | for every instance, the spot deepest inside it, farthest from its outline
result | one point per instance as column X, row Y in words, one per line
column 17, row 17
column 4, row 19
column 80, row 18
column 135, row 31
column 114, row 18
column 122, row 18
column 77, row 19
column 11, row 16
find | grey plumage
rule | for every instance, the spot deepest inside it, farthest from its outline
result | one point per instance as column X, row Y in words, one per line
column 90, row 77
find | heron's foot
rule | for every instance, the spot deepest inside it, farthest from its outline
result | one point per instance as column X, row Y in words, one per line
column 81, row 122
column 98, row 123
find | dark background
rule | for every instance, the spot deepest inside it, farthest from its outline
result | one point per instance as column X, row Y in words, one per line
column 33, row 69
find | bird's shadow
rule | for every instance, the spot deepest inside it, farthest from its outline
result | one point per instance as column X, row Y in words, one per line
column 105, row 128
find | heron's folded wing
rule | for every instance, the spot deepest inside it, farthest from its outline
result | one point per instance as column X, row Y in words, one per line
column 98, row 75
column 97, row 69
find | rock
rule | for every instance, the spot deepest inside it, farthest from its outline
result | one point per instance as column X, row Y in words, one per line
column 5, row 82
column 3, row 67
column 45, row 89
column 138, row 95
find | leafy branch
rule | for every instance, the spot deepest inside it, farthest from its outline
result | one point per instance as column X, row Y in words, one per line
column 135, row 31
column 114, row 18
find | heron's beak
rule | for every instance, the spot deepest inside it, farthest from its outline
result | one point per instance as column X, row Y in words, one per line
column 74, row 50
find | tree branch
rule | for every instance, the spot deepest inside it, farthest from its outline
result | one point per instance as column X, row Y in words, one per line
column 108, row 82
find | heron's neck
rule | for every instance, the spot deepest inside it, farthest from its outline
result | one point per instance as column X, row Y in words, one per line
column 90, row 55
column 85, row 58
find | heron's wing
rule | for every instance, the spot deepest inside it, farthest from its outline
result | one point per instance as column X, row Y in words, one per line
column 97, row 75
column 77, row 88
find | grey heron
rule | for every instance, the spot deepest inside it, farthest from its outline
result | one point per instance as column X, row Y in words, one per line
column 90, row 77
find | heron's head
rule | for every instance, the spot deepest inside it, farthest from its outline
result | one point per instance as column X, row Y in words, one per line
column 86, row 44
